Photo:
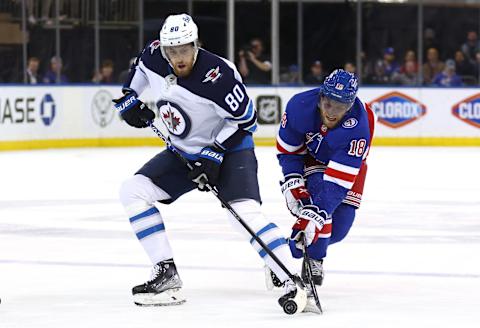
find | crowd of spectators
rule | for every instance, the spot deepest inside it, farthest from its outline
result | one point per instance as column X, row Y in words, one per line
column 55, row 73
column 462, row 69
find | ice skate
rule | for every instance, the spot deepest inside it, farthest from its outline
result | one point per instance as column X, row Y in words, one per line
column 317, row 271
column 162, row 289
column 295, row 298
column 311, row 305
column 271, row 279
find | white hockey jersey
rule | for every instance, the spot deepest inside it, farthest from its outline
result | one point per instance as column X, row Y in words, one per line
column 205, row 108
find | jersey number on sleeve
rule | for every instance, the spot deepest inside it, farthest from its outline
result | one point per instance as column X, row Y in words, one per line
column 357, row 147
column 234, row 98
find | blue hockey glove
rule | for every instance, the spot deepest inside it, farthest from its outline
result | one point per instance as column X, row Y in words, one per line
column 206, row 168
column 133, row 110
column 295, row 193
column 310, row 221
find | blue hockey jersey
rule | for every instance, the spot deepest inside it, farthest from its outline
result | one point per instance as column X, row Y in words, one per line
column 339, row 151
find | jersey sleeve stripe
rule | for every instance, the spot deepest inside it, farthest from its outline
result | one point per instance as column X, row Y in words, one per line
column 285, row 148
column 343, row 168
column 326, row 231
column 247, row 115
column 340, row 178
column 340, row 175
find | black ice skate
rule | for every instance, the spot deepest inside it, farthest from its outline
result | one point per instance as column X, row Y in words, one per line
column 163, row 289
column 295, row 298
column 317, row 271
column 271, row 279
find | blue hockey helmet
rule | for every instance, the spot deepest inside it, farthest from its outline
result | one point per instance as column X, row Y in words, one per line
column 340, row 86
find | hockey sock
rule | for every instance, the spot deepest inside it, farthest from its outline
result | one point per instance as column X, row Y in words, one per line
column 137, row 195
column 268, row 232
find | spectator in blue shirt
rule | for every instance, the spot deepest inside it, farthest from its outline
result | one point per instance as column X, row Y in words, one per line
column 54, row 74
column 448, row 77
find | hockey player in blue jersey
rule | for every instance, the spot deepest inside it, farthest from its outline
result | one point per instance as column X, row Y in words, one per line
column 210, row 119
column 323, row 142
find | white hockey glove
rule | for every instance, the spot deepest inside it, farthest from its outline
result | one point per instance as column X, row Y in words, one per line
column 295, row 193
column 310, row 221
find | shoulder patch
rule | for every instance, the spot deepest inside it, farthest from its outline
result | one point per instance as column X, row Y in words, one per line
column 213, row 75
column 350, row 123
column 154, row 46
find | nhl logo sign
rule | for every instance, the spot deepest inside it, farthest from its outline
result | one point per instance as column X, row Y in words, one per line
column 468, row 110
column 269, row 109
column 396, row 109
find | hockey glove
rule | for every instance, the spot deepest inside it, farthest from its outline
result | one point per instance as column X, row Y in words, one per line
column 133, row 110
column 206, row 168
column 295, row 193
column 310, row 221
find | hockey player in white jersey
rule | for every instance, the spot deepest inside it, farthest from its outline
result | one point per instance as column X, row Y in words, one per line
column 210, row 118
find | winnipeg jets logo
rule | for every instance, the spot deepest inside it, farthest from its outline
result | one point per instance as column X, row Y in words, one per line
column 175, row 119
column 154, row 46
column 212, row 75
column 172, row 121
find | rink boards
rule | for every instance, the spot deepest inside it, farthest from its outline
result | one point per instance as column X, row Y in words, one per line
column 83, row 116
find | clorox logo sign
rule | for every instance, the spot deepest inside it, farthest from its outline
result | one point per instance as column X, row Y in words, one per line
column 468, row 110
column 396, row 109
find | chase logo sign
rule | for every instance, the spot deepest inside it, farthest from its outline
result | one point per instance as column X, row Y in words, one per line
column 396, row 109
column 468, row 110
column 47, row 109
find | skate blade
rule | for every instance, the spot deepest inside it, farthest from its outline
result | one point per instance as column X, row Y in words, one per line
column 166, row 298
column 311, row 306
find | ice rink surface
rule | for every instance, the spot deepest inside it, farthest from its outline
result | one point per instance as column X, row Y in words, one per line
column 68, row 257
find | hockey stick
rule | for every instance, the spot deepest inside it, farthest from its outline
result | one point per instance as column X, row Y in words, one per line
column 308, row 272
column 232, row 211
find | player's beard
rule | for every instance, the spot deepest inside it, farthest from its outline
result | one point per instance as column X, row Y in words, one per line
column 183, row 69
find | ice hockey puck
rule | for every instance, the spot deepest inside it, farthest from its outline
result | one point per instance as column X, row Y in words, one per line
column 290, row 307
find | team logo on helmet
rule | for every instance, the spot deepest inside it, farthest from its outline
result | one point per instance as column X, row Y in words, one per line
column 213, row 75
column 396, row 109
column 341, row 86
column 468, row 110
column 175, row 119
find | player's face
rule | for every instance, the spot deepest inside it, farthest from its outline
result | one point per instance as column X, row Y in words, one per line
column 332, row 111
column 181, row 58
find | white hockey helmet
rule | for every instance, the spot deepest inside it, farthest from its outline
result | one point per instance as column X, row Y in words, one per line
column 178, row 30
